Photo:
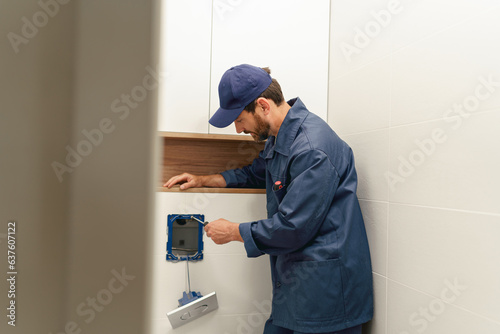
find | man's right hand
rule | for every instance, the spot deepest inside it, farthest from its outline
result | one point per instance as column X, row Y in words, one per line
column 196, row 181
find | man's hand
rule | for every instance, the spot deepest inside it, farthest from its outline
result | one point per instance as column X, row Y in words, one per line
column 223, row 231
column 196, row 181
column 187, row 180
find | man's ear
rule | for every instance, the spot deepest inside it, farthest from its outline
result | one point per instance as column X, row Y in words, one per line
column 264, row 105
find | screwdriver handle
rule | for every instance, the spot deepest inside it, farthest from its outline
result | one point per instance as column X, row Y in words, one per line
column 199, row 221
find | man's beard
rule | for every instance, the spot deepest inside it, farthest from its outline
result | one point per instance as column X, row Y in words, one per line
column 261, row 132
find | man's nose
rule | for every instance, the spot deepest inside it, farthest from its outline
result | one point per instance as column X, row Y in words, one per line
column 239, row 128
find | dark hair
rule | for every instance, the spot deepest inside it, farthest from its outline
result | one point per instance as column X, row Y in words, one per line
column 273, row 92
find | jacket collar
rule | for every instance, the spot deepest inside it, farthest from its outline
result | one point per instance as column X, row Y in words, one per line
column 288, row 129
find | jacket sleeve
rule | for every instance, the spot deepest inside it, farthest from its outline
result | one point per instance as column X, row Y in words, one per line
column 304, row 205
column 251, row 176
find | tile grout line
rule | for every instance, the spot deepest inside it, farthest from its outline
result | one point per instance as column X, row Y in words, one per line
column 491, row 110
column 388, row 193
column 210, row 65
column 484, row 213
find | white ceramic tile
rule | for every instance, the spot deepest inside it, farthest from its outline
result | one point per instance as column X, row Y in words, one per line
column 454, row 165
column 360, row 33
column 289, row 37
column 375, row 217
column 420, row 19
column 169, row 283
column 371, row 152
column 222, row 266
column 446, row 70
column 429, row 249
column 185, row 58
column 240, row 283
column 238, row 208
column 252, row 323
column 412, row 312
column 235, row 207
column 214, row 323
column 378, row 323
column 361, row 100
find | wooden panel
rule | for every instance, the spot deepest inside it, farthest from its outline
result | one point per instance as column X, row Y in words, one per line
column 201, row 156
column 214, row 190
column 188, row 135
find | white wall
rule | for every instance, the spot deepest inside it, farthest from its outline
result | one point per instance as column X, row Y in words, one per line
column 288, row 36
column 409, row 96
column 200, row 40
column 243, row 285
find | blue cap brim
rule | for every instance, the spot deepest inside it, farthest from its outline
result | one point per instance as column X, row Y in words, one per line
column 224, row 117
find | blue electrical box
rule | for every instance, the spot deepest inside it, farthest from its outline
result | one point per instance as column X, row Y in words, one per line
column 185, row 237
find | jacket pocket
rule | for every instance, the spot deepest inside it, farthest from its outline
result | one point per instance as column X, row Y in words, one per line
column 317, row 293
column 279, row 194
column 279, row 190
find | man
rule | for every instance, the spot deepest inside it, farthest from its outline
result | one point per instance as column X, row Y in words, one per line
column 314, row 233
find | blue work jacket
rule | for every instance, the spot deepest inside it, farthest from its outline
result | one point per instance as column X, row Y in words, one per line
column 314, row 232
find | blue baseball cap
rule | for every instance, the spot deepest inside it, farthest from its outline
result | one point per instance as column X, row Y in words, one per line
column 239, row 86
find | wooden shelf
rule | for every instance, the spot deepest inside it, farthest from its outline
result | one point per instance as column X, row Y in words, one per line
column 213, row 190
column 188, row 135
column 204, row 154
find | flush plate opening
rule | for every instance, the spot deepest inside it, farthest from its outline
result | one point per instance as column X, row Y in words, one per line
column 185, row 237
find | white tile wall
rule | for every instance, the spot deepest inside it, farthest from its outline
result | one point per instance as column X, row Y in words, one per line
column 375, row 217
column 457, row 247
column 371, row 154
column 379, row 322
column 185, row 49
column 420, row 106
column 288, row 36
column 351, row 114
column 357, row 39
column 243, row 285
column 410, row 312
column 456, row 169
column 420, row 19
column 214, row 323
column 431, row 76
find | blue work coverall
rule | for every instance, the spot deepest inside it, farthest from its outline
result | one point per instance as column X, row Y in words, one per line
column 314, row 233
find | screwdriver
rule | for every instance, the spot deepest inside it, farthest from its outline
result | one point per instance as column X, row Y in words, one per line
column 199, row 221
